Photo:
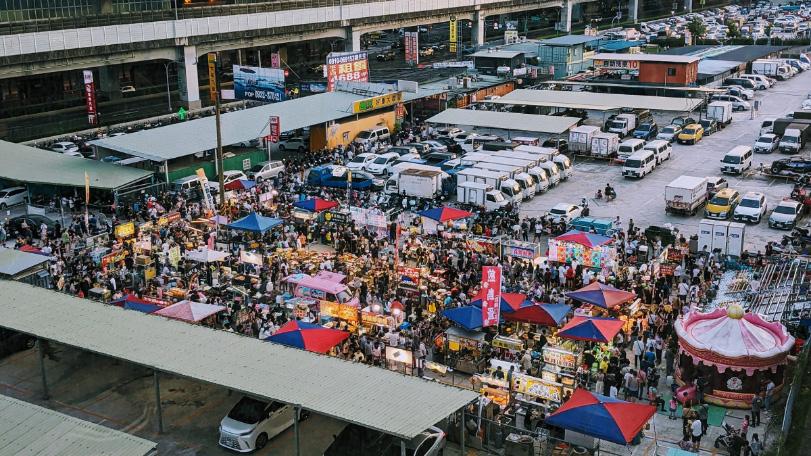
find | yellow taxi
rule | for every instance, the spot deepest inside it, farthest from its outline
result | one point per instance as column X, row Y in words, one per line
column 722, row 205
column 691, row 134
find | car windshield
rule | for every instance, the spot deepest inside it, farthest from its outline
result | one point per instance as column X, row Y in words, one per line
column 645, row 127
column 732, row 159
column 689, row 131
column 381, row 160
column 789, row 139
column 633, row 163
column 720, row 201
column 764, row 139
column 364, row 134
column 558, row 211
column 257, row 168
column 359, row 159
column 248, row 411
column 784, row 210
column 616, row 124
column 669, row 130
column 750, row 203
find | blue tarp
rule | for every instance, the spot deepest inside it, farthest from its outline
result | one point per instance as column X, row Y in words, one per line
column 255, row 223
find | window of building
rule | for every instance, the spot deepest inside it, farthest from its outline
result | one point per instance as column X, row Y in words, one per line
column 671, row 71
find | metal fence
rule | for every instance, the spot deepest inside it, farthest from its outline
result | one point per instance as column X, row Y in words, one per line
column 796, row 385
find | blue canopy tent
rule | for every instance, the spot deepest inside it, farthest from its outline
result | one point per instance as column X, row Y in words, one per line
column 255, row 223
column 468, row 317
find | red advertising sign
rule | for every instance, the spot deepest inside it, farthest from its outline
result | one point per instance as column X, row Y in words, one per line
column 347, row 66
column 411, row 45
column 491, row 295
column 90, row 97
column 275, row 60
column 275, row 128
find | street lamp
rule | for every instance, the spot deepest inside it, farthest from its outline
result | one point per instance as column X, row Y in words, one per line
column 168, row 90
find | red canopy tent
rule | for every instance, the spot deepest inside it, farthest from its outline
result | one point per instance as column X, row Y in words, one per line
column 591, row 329
column 189, row 311
column 540, row 314
column 602, row 295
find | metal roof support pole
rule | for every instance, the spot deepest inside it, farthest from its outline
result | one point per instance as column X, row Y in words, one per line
column 402, row 448
column 463, row 430
column 296, row 417
column 45, row 395
column 158, row 409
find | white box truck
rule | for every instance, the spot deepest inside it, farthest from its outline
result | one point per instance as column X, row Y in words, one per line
column 564, row 165
column 772, row 68
column 534, row 169
column 685, row 194
column 580, row 138
column 481, row 195
column 605, row 144
column 516, row 173
column 498, row 180
column 622, row 125
column 721, row 111
column 421, row 183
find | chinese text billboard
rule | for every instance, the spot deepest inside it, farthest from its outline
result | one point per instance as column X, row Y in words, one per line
column 491, row 295
column 90, row 96
column 347, row 66
column 260, row 84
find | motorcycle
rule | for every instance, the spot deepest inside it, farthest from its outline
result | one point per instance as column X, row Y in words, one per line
column 725, row 440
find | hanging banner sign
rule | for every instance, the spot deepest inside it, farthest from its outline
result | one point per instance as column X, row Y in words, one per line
column 212, row 76
column 491, row 301
column 90, row 97
column 452, row 35
column 411, row 45
column 275, row 60
column 275, row 129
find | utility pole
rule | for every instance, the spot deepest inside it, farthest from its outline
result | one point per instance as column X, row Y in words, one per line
column 214, row 92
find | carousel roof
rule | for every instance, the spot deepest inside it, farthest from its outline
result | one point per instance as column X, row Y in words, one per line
column 731, row 338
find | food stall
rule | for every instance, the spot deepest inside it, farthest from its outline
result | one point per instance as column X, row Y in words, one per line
column 466, row 347
column 588, row 249
column 560, row 364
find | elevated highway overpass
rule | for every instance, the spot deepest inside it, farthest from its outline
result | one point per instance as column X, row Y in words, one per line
column 73, row 44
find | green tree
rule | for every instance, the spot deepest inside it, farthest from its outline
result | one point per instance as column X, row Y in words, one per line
column 732, row 30
column 697, row 28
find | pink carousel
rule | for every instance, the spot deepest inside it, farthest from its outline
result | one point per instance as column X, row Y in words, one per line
column 736, row 352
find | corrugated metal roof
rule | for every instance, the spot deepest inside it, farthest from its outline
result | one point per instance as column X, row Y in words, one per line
column 570, row 40
column 617, row 45
column 188, row 138
column 505, row 120
column 713, row 67
column 12, row 262
column 36, row 166
column 496, row 54
column 28, row 429
column 376, row 398
column 600, row 102
column 648, row 57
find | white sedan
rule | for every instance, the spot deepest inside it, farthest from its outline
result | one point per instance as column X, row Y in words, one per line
column 361, row 161
column 565, row 212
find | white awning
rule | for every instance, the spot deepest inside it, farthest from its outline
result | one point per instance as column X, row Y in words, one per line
column 505, row 120
column 376, row 398
column 597, row 101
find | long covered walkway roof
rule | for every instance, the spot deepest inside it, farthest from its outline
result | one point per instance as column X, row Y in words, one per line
column 28, row 429
column 198, row 135
column 597, row 101
column 505, row 120
column 372, row 397
column 36, row 166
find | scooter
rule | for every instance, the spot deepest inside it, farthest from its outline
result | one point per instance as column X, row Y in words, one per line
column 725, row 440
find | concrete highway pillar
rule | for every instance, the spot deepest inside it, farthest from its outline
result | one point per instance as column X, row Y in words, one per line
column 110, row 81
column 633, row 10
column 352, row 42
column 566, row 17
column 477, row 33
column 688, row 6
column 188, row 83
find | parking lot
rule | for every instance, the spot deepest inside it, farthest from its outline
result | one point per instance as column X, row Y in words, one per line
column 643, row 199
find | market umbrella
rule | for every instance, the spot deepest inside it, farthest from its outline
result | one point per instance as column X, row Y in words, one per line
column 315, row 204
column 240, row 184
column 591, row 329
column 510, row 302
column 206, row 255
column 189, row 311
column 132, row 302
column 444, row 214
column 308, row 336
column 601, row 295
column 540, row 314
column 255, row 222
column 468, row 317
column 30, row 249
column 602, row 417
column 589, row 240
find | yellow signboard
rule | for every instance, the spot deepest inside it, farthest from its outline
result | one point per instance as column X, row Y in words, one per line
column 212, row 76
column 380, row 101
column 125, row 230
column 452, row 36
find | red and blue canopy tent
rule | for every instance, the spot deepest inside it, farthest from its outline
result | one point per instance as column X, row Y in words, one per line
column 540, row 314
column 308, row 336
column 468, row 317
column 602, row 417
column 132, row 302
column 315, row 204
column 240, row 184
column 591, row 329
column 445, row 214
column 510, row 302
column 589, row 240
column 601, row 295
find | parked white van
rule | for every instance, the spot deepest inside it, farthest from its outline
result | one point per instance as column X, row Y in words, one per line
column 761, row 81
column 629, row 147
column 661, row 149
column 639, row 164
column 373, row 135
column 737, row 160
